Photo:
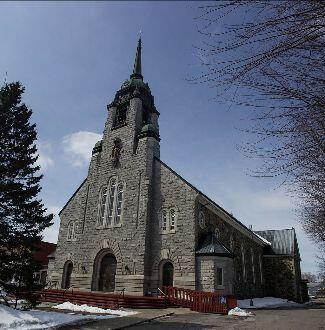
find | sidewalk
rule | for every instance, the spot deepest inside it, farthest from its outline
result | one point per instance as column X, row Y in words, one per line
column 144, row 315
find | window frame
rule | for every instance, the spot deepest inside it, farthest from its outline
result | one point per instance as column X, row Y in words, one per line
column 111, row 204
column 253, row 265
column 243, row 262
column 71, row 232
column 222, row 277
column 261, row 268
column 201, row 215
column 101, row 206
column 115, row 209
column 165, row 219
column 172, row 230
column 231, row 243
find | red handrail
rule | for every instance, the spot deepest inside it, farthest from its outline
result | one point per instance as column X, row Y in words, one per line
column 213, row 302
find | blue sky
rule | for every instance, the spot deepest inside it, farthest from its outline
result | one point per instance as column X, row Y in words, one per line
column 73, row 56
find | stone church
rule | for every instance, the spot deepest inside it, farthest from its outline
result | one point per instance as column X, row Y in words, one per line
column 135, row 224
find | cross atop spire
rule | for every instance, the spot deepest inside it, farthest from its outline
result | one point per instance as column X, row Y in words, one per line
column 137, row 74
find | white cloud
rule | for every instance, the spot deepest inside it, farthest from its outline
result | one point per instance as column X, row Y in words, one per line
column 44, row 160
column 78, row 147
column 50, row 234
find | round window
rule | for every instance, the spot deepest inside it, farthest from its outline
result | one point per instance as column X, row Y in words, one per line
column 201, row 220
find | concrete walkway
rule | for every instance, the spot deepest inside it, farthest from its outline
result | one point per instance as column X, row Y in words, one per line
column 144, row 315
column 309, row 318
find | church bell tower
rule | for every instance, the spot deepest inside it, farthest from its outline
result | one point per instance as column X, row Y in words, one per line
column 126, row 153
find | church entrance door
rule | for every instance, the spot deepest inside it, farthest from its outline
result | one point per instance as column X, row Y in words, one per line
column 107, row 273
column 66, row 276
column 168, row 274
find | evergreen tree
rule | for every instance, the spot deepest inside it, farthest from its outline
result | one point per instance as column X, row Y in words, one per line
column 22, row 214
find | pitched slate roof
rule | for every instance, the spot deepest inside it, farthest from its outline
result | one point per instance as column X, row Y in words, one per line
column 282, row 241
column 210, row 245
column 249, row 231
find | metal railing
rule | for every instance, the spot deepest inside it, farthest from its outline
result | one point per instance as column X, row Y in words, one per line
column 213, row 302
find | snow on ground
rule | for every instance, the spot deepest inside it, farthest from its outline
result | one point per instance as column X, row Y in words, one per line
column 239, row 312
column 26, row 320
column 90, row 309
column 266, row 302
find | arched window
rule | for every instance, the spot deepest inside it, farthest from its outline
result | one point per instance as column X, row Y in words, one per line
column 217, row 233
column 231, row 244
column 101, row 206
column 261, row 268
column 164, row 220
column 253, row 266
column 72, row 230
column 119, row 201
column 168, row 220
column 172, row 222
column 111, row 204
column 201, row 219
column 243, row 262
column 111, row 200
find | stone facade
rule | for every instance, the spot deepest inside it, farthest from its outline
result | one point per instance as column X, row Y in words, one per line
column 135, row 224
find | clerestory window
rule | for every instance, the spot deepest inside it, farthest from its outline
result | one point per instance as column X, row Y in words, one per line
column 243, row 262
column 253, row 265
column 111, row 204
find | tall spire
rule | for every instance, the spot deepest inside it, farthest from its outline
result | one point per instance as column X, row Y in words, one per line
column 137, row 63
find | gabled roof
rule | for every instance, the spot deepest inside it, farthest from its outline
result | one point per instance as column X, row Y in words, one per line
column 241, row 225
column 74, row 194
column 282, row 241
column 43, row 249
column 210, row 245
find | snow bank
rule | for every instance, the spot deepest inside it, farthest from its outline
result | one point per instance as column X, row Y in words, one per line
column 239, row 312
column 90, row 309
column 263, row 239
column 25, row 320
column 266, row 302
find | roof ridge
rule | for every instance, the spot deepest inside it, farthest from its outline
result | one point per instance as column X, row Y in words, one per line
column 209, row 199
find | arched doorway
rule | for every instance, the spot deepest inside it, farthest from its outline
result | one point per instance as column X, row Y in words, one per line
column 167, row 274
column 104, row 272
column 107, row 272
column 66, row 276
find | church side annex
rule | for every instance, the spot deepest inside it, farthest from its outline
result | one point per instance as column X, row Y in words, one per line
column 135, row 224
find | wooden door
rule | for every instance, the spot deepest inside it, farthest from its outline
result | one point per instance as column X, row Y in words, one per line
column 168, row 274
column 107, row 274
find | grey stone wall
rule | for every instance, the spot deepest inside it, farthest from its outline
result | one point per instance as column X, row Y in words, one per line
column 138, row 243
column 206, row 273
column 128, row 241
column 243, row 286
column 172, row 192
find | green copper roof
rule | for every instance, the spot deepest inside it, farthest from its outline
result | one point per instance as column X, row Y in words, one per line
column 137, row 63
column 135, row 82
column 282, row 241
column 210, row 245
column 148, row 128
column 97, row 147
